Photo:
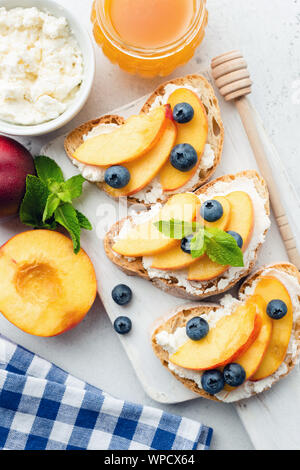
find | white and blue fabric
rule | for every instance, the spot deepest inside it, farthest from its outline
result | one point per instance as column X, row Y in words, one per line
column 43, row 407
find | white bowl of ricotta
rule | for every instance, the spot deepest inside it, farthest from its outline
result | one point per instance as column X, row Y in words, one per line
column 47, row 67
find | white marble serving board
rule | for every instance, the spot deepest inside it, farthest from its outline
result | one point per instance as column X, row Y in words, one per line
column 149, row 303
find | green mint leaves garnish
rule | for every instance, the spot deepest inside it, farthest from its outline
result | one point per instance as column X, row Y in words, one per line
column 218, row 245
column 48, row 200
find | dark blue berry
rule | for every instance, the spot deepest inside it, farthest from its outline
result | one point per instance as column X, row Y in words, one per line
column 237, row 238
column 211, row 211
column 183, row 113
column 186, row 243
column 276, row 309
column 117, row 176
column 122, row 325
column 234, row 374
column 184, row 157
column 212, row 381
column 121, row 294
column 197, row 328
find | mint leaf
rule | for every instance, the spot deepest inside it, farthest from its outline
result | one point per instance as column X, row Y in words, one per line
column 66, row 216
column 223, row 249
column 177, row 229
column 74, row 186
column 198, row 244
column 51, row 205
column 83, row 221
column 34, row 202
column 46, row 169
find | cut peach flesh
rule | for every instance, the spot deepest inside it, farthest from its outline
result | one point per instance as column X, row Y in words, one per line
column 271, row 288
column 144, row 169
column 146, row 240
column 231, row 336
column 45, row 288
column 194, row 133
column 128, row 142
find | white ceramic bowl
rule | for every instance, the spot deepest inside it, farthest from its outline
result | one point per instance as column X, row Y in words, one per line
column 87, row 49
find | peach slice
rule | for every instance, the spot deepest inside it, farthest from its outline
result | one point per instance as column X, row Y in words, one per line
column 253, row 357
column 175, row 258
column 144, row 169
column 128, row 142
column 242, row 222
column 232, row 335
column 45, row 288
column 146, row 240
column 194, row 133
column 271, row 288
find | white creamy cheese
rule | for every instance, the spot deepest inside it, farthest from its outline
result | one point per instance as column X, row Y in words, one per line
column 172, row 342
column 261, row 224
column 41, row 66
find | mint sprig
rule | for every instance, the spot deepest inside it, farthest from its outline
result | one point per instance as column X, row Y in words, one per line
column 48, row 200
column 217, row 244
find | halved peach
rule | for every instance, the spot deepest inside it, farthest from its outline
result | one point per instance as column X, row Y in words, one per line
column 128, row 142
column 45, row 288
column 146, row 240
column 194, row 133
column 271, row 288
column 175, row 258
column 144, row 169
column 232, row 335
column 253, row 357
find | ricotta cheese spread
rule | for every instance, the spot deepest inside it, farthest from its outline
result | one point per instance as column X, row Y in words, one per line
column 41, row 66
column 171, row 342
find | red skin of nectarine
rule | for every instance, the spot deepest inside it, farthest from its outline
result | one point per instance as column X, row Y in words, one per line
column 16, row 163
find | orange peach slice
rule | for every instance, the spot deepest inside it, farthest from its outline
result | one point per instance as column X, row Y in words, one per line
column 271, row 288
column 128, row 142
column 45, row 288
column 175, row 258
column 232, row 335
column 194, row 133
column 144, row 169
column 146, row 240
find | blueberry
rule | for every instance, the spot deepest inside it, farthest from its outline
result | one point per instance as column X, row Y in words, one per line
column 276, row 309
column 183, row 112
column 211, row 211
column 184, row 157
column 237, row 238
column 117, row 176
column 122, row 325
column 212, row 381
column 234, row 374
column 121, row 294
column 197, row 328
column 186, row 243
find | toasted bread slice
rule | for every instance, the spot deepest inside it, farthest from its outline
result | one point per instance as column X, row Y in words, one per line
column 135, row 267
column 215, row 133
column 183, row 314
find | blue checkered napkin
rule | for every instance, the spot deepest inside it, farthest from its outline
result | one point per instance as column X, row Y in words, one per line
column 43, row 407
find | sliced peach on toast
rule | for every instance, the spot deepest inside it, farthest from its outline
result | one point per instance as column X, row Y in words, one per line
column 137, row 136
column 194, row 133
column 242, row 222
column 231, row 337
column 253, row 357
column 271, row 288
column 146, row 240
column 144, row 169
column 45, row 288
column 175, row 258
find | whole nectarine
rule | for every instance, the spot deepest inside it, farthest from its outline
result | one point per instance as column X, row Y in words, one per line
column 16, row 163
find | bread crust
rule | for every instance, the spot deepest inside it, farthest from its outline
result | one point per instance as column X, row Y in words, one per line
column 181, row 316
column 215, row 128
column 136, row 268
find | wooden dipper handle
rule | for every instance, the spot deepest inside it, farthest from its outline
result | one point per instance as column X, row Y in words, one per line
column 233, row 80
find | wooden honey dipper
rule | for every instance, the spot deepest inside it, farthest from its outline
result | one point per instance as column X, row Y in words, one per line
column 232, row 78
